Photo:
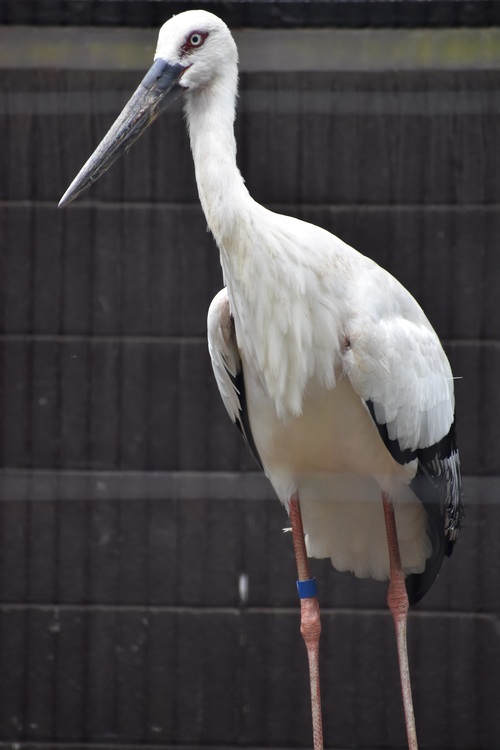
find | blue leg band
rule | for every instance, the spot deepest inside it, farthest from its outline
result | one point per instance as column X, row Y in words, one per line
column 307, row 589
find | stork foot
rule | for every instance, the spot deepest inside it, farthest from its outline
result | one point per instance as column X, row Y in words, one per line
column 397, row 600
column 310, row 623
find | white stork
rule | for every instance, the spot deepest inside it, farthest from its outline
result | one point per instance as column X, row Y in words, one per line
column 328, row 366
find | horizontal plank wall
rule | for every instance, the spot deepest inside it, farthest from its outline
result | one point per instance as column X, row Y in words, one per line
column 147, row 592
column 257, row 13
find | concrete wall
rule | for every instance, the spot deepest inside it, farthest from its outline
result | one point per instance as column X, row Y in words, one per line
column 131, row 512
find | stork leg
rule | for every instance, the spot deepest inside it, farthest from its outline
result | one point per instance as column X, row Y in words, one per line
column 310, row 624
column 397, row 599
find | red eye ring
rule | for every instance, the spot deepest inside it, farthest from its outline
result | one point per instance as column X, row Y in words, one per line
column 194, row 40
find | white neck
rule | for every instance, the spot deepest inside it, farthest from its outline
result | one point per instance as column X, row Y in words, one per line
column 222, row 191
column 261, row 253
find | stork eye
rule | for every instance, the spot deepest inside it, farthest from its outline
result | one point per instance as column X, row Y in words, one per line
column 194, row 40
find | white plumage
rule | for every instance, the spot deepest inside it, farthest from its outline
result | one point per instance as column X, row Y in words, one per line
column 306, row 386
column 327, row 364
column 318, row 330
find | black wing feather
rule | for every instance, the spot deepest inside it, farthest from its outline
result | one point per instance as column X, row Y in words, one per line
column 242, row 422
column 437, row 484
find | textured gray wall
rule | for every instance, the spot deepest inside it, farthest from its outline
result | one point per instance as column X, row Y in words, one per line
column 130, row 505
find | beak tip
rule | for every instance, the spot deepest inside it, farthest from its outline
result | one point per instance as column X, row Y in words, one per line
column 68, row 197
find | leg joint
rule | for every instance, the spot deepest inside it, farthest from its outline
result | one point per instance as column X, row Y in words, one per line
column 310, row 622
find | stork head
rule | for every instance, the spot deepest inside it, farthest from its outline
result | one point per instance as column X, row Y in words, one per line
column 201, row 44
column 194, row 49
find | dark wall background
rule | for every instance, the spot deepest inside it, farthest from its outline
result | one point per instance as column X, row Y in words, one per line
column 258, row 13
column 131, row 515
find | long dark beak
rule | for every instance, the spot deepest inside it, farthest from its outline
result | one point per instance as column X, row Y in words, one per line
column 157, row 89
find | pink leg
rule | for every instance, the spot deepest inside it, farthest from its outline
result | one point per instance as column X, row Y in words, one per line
column 397, row 599
column 310, row 625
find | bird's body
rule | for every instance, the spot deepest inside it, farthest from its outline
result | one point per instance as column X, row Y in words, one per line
column 326, row 363
column 312, row 431
column 319, row 330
